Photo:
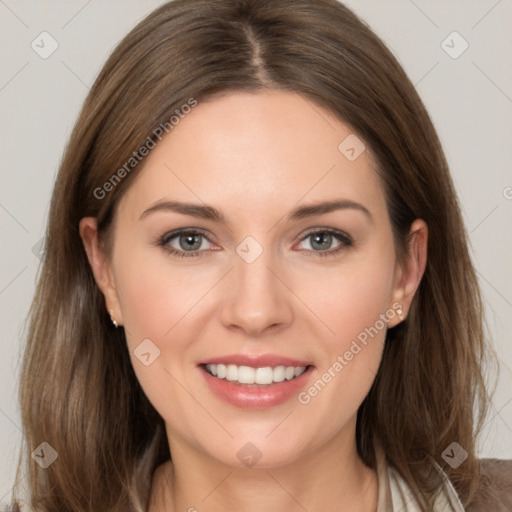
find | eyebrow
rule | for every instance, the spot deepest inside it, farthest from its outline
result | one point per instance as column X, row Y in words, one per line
column 211, row 213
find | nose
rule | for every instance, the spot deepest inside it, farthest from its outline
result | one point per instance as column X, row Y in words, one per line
column 258, row 299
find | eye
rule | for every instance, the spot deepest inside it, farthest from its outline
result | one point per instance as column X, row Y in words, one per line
column 321, row 241
column 184, row 243
column 193, row 243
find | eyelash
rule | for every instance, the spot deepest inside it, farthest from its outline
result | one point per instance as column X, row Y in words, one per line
column 342, row 237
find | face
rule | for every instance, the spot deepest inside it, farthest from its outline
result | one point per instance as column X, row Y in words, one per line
column 250, row 246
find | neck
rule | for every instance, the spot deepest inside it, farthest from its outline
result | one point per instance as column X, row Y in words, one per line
column 332, row 478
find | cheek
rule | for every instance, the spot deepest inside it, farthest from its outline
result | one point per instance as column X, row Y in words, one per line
column 155, row 294
column 352, row 299
column 158, row 302
column 354, row 304
column 366, row 296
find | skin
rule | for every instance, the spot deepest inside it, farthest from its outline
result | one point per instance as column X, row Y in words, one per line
column 255, row 157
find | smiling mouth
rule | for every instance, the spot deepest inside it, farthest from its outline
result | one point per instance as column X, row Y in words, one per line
column 248, row 376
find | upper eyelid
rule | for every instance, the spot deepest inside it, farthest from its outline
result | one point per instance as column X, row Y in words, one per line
column 184, row 231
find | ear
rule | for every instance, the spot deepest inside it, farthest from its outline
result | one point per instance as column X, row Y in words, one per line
column 100, row 266
column 408, row 275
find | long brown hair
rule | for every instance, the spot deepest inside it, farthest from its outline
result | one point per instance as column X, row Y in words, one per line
column 78, row 390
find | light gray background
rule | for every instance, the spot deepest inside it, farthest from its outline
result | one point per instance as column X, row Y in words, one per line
column 469, row 99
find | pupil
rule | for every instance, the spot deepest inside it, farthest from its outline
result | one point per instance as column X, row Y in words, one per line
column 191, row 241
column 323, row 240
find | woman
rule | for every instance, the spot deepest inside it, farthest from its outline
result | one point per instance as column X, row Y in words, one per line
column 256, row 293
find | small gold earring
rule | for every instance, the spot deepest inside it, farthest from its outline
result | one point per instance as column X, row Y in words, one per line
column 399, row 312
column 114, row 321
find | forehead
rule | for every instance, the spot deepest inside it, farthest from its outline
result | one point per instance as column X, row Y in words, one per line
column 254, row 152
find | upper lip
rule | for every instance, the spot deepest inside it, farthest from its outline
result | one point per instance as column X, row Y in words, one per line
column 256, row 361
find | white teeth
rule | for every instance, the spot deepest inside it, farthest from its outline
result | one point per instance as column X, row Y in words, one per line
column 289, row 373
column 219, row 368
column 278, row 374
column 232, row 372
column 248, row 375
column 264, row 375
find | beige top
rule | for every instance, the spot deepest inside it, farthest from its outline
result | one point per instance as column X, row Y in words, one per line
column 395, row 496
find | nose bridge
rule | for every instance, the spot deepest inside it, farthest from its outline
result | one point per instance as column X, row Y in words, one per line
column 257, row 299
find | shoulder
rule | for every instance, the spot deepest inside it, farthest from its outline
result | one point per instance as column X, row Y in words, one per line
column 495, row 490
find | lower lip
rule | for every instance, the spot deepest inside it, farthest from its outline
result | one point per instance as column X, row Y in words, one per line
column 255, row 397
